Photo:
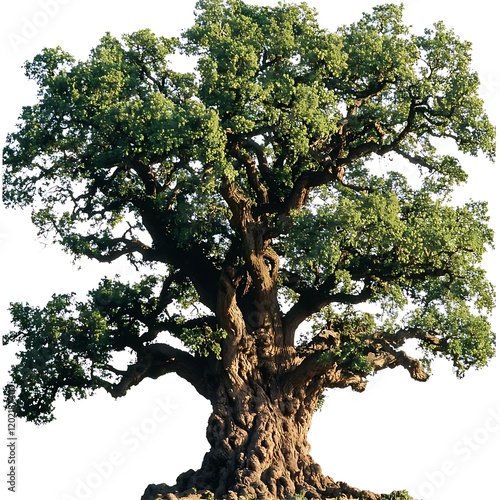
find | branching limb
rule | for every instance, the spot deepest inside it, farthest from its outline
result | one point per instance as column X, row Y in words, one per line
column 263, row 163
column 112, row 369
column 314, row 362
column 322, row 361
column 252, row 172
column 156, row 360
column 414, row 159
column 313, row 300
column 405, row 334
column 314, row 371
column 256, row 255
column 389, row 357
column 109, row 250
column 229, row 314
column 176, row 328
column 339, row 379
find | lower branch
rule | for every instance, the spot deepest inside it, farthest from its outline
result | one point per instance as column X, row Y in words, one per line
column 156, row 360
column 390, row 357
column 321, row 363
column 339, row 379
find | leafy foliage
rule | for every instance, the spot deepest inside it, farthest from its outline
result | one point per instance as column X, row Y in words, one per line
column 254, row 173
column 62, row 354
column 398, row 495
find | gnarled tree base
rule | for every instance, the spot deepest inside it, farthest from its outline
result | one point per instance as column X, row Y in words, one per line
column 333, row 491
column 259, row 450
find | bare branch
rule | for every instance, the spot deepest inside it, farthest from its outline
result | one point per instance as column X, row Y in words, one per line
column 344, row 378
column 114, row 370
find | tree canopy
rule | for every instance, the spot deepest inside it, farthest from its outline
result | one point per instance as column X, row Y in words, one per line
column 246, row 193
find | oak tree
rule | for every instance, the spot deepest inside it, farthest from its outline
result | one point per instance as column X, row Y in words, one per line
column 272, row 244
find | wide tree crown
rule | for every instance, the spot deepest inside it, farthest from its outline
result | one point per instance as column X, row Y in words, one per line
column 254, row 174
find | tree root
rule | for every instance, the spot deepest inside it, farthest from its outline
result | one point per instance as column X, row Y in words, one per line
column 337, row 491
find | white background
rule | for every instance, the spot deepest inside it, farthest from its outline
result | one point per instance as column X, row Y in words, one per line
column 440, row 439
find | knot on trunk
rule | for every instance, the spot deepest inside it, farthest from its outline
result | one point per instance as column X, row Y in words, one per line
column 289, row 406
column 264, row 341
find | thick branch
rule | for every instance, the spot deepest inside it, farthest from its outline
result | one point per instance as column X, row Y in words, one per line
column 322, row 375
column 147, row 177
column 390, row 357
column 344, row 378
column 156, row 360
column 129, row 246
column 252, row 172
column 239, row 204
column 314, row 362
column 229, row 314
column 263, row 164
column 313, row 300
column 192, row 262
column 401, row 336
column 254, row 249
column 320, row 365
column 312, row 366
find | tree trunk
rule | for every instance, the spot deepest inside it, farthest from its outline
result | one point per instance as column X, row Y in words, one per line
column 259, row 424
column 259, row 449
column 258, row 446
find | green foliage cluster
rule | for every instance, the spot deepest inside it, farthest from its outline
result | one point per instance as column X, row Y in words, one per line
column 356, row 331
column 124, row 157
column 397, row 234
column 204, row 340
column 68, row 345
column 398, row 495
column 61, row 354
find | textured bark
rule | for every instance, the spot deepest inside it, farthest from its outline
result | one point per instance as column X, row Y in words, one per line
column 259, row 446
column 259, row 449
column 263, row 389
column 260, row 421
